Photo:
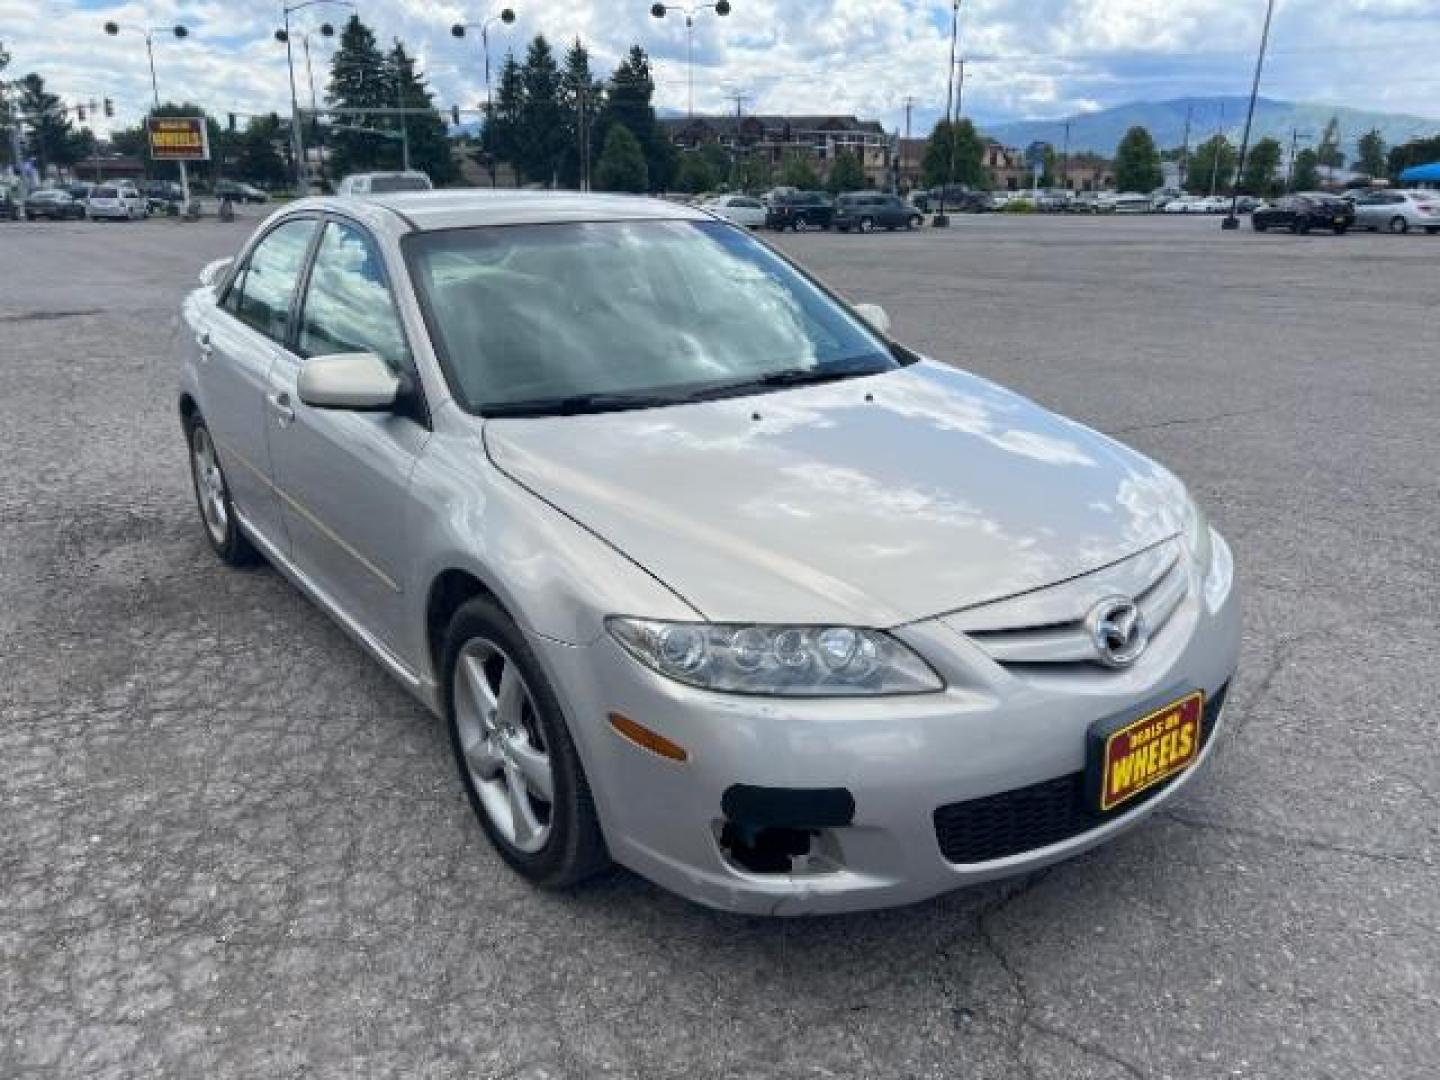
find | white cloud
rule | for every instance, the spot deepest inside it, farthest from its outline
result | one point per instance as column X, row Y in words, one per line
column 1026, row 57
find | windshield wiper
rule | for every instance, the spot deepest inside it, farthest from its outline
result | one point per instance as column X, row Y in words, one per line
column 576, row 404
column 779, row 379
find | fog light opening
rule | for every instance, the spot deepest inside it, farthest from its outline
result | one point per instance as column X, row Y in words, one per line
column 765, row 849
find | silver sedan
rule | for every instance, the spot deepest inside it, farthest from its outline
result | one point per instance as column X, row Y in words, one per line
column 706, row 574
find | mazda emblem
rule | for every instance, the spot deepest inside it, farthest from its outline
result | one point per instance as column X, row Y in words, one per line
column 1117, row 628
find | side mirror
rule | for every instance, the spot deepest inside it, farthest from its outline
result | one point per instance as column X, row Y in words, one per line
column 213, row 272
column 875, row 316
column 360, row 382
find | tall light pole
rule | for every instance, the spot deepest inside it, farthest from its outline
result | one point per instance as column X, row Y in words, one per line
column 297, row 141
column 721, row 8
column 1232, row 220
column 506, row 16
column 180, row 33
column 326, row 31
column 942, row 220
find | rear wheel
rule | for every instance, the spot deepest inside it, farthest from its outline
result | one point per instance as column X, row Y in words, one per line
column 1399, row 225
column 801, row 225
column 914, row 221
column 516, row 759
column 1302, row 227
column 1259, row 226
column 867, row 225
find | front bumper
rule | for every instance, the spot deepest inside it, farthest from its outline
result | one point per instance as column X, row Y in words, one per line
column 993, row 730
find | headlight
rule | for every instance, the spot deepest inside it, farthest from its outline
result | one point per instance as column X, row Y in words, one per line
column 1197, row 536
column 789, row 661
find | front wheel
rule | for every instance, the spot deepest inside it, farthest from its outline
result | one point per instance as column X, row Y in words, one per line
column 517, row 762
column 1302, row 228
column 914, row 221
column 1259, row 226
column 1399, row 225
column 801, row 225
column 867, row 225
column 1341, row 230
column 212, row 496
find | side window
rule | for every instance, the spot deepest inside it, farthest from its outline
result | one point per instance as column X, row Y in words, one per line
column 261, row 292
column 348, row 307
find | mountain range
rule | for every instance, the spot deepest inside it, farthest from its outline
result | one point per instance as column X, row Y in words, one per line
column 1102, row 130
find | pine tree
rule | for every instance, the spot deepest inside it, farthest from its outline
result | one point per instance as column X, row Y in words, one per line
column 1307, row 171
column 357, row 81
column 582, row 97
column 425, row 131
column 51, row 138
column 622, row 164
column 1371, row 157
column 543, row 131
column 500, row 138
column 1329, row 153
column 628, row 101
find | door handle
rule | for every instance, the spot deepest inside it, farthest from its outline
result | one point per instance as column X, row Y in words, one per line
column 202, row 343
column 280, row 406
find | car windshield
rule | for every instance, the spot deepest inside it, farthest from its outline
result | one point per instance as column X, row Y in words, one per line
column 589, row 317
column 103, row 193
column 381, row 185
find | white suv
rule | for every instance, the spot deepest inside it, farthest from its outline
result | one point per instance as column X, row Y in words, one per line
column 115, row 201
column 383, row 183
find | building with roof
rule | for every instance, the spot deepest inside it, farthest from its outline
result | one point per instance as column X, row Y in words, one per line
column 778, row 137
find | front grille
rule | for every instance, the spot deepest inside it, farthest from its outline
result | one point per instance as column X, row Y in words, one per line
column 1021, row 820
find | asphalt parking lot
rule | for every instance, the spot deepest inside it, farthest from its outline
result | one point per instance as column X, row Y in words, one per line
column 232, row 847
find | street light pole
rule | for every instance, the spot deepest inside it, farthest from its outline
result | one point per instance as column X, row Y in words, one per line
column 941, row 219
column 180, row 32
column 297, row 139
column 1232, row 221
column 506, row 16
column 659, row 11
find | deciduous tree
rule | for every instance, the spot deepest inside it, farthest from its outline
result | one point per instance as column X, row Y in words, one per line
column 846, row 173
column 1137, row 162
column 622, row 163
column 954, row 153
column 1212, row 167
column 1261, row 164
column 1371, row 158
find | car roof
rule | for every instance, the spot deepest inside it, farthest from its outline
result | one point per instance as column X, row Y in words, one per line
column 474, row 207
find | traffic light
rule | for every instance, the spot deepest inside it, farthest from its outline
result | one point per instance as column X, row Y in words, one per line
column 455, row 115
column 109, row 107
column 80, row 113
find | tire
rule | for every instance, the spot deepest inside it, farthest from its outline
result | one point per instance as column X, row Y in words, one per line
column 1341, row 230
column 801, row 225
column 552, row 843
column 212, row 499
column 1302, row 228
column 1399, row 225
column 1259, row 226
column 914, row 221
column 867, row 225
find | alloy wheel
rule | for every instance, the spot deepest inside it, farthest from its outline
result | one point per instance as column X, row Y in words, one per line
column 505, row 753
column 1398, row 224
column 209, row 484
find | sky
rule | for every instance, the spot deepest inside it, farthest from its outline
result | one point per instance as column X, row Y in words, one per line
column 1023, row 58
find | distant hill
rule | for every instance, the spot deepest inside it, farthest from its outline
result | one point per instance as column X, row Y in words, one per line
column 1102, row 131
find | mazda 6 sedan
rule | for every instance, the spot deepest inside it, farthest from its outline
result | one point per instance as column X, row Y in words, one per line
column 706, row 574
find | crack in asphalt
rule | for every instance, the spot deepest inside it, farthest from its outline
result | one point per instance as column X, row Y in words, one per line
column 1026, row 1020
column 1182, row 421
column 1312, row 843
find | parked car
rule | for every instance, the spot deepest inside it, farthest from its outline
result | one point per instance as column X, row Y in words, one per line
column 528, row 449
column 958, row 199
column 381, row 183
column 1053, row 200
column 239, row 192
column 800, row 211
column 1163, row 197
column 52, row 204
column 1302, row 213
column 1185, row 204
column 161, row 195
column 1127, row 202
column 865, row 211
column 79, row 191
column 1398, row 211
column 115, row 202
column 741, row 209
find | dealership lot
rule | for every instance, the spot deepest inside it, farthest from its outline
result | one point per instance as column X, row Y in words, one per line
column 233, row 848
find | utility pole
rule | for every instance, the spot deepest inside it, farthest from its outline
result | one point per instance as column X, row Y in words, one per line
column 960, row 92
column 1065, row 159
column 1232, row 221
column 1294, row 148
column 909, row 104
column 941, row 219
column 1185, row 148
column 1215, row 157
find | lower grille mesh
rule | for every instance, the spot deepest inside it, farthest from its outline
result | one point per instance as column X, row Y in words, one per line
column 1027, row 818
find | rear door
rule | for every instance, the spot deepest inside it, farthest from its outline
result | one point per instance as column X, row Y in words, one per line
column 237, row 347
column 344, row 475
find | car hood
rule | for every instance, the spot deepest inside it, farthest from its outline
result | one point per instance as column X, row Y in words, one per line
column 875, row 501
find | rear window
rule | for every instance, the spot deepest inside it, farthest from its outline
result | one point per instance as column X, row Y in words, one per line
column 103, row 193
column 380, row 185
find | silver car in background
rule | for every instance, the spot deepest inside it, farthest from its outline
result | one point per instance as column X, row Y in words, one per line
column 705, row 573
column 1398, row 211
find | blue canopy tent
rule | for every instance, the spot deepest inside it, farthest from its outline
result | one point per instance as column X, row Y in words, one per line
column 1422, row 174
